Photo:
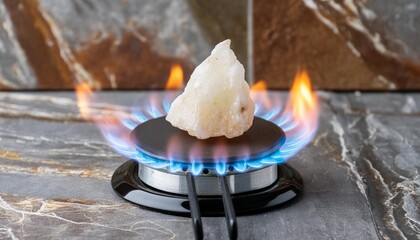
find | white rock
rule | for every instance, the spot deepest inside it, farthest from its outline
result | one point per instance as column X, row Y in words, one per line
column 216, row 101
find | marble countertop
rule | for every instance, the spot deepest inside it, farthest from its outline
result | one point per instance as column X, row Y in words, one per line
column 361, row 175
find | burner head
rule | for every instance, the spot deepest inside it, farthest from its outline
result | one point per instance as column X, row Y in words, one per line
column 127, row 184
column 154, row 137
column 254, row 189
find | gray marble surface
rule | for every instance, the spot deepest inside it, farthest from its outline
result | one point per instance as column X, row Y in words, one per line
column 361, row 175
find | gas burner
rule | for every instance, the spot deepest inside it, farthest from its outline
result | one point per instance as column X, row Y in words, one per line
column 214, row 188
column 127, row 183
column 175, row 173
column 158, row 139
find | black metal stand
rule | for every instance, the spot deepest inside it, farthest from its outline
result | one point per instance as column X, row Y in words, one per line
column 194, row 208
column 127, row 185
column 229, row 209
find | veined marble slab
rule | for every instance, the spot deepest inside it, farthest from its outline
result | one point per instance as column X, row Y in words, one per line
column 361, row 174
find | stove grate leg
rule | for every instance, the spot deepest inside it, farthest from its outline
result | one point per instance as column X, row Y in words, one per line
column 227, row 204
column 194, row 207
column 229, row 209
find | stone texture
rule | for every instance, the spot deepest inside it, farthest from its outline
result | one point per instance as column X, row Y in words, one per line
column 361, row 174
column 15, row 72
column 132, row 44
column 401, row 19
column 111, row 44
column 222, row 19
column 344, row 44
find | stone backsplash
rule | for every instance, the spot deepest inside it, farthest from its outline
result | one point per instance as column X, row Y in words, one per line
column 345, row 44
column 132, row 44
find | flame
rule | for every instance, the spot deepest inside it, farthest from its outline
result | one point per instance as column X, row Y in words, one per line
column 176, row 78
column 259, row 94
column 195, row 154
column 259, row 86
column 303, row 102
column 220, row 156
column 84, row 95
column 173, row 147
column 298, row 118
column 114, row 123
column 100, row 113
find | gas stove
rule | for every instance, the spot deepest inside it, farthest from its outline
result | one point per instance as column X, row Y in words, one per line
column 175, row 173
column 210, row 182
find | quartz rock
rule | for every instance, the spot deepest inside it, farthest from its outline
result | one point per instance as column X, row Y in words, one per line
column 216, row 101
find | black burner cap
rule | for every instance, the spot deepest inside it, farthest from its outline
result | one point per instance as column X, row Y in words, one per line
column 159, row 139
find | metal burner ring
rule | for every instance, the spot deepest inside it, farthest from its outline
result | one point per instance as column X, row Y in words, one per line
column 208, row 185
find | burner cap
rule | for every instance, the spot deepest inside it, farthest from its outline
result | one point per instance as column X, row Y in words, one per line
column 155, row 136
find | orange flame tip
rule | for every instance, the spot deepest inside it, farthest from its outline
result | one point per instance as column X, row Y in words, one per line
column 106, row 116
column 84, row 95
column 303, row 102
column 176, row 78
column 259, row 93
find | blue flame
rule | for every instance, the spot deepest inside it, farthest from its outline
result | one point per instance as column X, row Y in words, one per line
column 197, row 168
column 297, row 137
column 221, row 168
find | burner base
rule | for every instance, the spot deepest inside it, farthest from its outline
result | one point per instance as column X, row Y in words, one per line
column 127, row 185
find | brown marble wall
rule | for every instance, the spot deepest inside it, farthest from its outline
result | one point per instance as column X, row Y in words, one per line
column 112, row 44
column 132, row 44
column 348, row 45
